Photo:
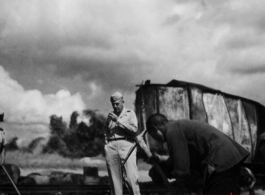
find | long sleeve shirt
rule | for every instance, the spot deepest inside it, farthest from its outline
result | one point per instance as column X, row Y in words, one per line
column 126, row 125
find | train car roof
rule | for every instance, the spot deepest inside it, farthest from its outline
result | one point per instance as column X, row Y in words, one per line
column 178, row 83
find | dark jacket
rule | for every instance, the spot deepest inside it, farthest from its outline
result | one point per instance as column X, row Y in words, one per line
column 191, row 143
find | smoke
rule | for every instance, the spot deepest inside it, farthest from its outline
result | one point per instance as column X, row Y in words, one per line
column 84, row 118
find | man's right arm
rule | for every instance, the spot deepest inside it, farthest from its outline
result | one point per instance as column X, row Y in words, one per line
column 179, row 153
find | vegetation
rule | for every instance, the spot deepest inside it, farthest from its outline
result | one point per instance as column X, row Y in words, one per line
column 26, row 160
column 84, row 139
column 66, row 146
column 49, row 161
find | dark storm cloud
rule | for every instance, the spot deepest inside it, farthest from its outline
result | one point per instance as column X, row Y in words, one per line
column 62, row 55
column 29, row 40
column 32, row 27
column 242, row 66
column 44, row 51
column 240, row 41
column 121, row 71
column 259, row 69
column 110, row 46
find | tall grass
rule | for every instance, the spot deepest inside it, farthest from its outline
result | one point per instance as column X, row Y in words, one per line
column 46, row 161
column 26, row 160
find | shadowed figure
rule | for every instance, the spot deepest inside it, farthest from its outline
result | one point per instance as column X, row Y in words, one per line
column 194, row 146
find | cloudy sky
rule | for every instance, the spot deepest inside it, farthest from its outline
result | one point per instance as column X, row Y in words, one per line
column 58, row 56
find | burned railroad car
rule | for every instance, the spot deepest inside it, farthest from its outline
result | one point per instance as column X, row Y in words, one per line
column 241, row 119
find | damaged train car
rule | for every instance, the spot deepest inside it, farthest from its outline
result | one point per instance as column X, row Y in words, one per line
column 241, row 119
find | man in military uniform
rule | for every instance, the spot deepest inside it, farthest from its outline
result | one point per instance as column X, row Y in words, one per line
column 192, row 144
column 122, row 129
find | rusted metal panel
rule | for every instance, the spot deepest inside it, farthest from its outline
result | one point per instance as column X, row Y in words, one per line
column 197, row 106
column 173, row 102
column 145, row 103
column 217, row 114
column 150, row 100
column 147, row 97
column 239, row 122
column 170, row 101
column 251, row 114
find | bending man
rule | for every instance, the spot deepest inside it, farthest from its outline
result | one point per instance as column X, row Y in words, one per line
column 192, row 144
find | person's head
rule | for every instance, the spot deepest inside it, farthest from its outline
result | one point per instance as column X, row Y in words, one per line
column 156, row 126
column 117, row 101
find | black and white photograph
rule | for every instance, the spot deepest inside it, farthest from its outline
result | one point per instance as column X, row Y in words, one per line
column 140, row 97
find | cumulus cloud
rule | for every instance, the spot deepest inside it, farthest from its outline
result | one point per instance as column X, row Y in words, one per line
column 31, row 106
column 61, row 56
column 114, row 46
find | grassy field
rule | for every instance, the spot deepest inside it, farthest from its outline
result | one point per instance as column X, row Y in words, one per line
column 29, row 160
column 26, row 160
column 46, row 163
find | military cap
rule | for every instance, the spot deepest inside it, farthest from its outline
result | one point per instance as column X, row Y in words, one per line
column 116, row 96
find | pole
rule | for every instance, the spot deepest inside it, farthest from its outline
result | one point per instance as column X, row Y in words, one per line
column 137, row 140
column 14, row 185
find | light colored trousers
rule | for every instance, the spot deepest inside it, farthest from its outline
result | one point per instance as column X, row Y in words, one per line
column 116, row 152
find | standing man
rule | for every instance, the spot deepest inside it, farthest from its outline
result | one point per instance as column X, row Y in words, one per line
column 191, row 145
column 122, row 129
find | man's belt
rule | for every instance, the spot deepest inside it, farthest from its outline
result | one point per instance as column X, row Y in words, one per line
column 121, row 138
